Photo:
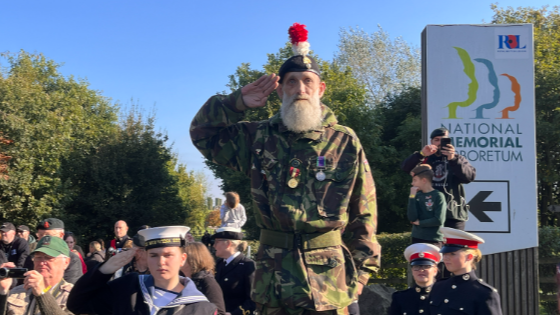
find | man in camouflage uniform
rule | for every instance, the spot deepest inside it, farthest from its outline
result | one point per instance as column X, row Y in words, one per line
column 312, row 188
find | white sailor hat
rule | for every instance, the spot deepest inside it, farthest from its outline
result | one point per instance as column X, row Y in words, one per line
column 457, row 239
column 164, row 236
column 422, row 254
column 228, row 233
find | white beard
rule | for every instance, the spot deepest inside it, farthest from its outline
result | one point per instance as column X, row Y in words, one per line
column 301, row 115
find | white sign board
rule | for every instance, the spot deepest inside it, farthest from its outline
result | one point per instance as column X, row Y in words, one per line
column 478, row 82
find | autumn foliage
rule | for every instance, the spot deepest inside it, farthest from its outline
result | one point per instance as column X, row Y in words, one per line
column 213, row 218
column 4, row 158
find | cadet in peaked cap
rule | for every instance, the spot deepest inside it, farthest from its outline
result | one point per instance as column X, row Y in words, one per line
column 234, row 271
column 423, row 259
column 228, row 233
column 162, row 288
column 464, row 291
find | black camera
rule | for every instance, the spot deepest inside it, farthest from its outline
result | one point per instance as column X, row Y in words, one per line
column 16, row 273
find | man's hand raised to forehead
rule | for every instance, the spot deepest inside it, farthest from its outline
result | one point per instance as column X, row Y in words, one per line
column 255, row 94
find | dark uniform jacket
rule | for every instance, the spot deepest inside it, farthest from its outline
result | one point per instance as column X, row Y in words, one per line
column 301, row 204
column 207, row 284
column 413, row 300
column 464, row 294
column 449, row 178
column 16, row 252
column 95, row 294
column 235, row 280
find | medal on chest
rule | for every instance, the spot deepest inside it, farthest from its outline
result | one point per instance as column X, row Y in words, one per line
column 294, row 174
column 320, row 166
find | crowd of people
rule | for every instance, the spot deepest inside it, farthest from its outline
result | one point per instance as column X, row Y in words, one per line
column 315, row 204
column 163, row 267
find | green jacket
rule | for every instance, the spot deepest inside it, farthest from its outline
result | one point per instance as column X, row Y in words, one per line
column 320, row 278
column 430, row 209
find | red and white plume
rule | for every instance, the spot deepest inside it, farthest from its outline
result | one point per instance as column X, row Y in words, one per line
column 298, row 37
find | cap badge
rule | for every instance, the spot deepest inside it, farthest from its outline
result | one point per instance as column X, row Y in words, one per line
column 46, row 224
column 47, row 240
column 421, row 255
column 307, row 62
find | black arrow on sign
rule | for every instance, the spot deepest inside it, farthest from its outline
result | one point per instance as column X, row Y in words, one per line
column 478, row 206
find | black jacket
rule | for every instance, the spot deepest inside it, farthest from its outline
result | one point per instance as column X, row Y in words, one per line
column 74, row 270
column 413, row 300
column 94, row 259
column 95, row 294
column 235, row 279
column 449, row 177
column 464, row 294
column 206, row 283
column 16, row 252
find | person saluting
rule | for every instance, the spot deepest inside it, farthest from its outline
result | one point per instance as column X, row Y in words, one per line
column 163, row 291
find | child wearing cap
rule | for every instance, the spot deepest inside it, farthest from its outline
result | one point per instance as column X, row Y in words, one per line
column 426, row 207
column 162, row 291
column 464, row 291
column 423, row 259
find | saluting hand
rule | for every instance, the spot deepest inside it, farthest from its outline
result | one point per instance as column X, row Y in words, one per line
column 255, row 94
column 118, row 261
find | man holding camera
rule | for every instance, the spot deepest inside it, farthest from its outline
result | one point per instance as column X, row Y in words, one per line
column 55, row 227
column 44, row 290
column 451, row 171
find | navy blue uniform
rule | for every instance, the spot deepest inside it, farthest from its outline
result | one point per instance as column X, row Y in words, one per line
column 236, row 279
column 413, row 300
column 464, row 294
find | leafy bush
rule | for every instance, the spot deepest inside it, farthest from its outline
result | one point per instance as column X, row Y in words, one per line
column 392, row 249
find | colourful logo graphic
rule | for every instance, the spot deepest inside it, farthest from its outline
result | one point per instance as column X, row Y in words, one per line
column 509, row 42
column 472, row 89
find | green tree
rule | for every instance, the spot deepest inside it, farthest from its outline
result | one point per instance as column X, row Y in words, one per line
column 399, row 117
column 54, row 121
column 129, row 179
column 192, row 189
column 383, row 65
column 547, row 81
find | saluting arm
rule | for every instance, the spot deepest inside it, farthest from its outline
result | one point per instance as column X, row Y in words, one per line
column 216, row 130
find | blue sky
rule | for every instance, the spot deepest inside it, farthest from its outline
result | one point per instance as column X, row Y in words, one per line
column 173, row 55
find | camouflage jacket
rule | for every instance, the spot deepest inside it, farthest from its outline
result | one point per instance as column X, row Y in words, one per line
column 267, row 152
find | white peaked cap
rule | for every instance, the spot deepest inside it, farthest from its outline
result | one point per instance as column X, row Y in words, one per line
column 422, row 254
column 164, row 236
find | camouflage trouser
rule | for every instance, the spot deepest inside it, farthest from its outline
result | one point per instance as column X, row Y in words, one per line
column 264, row 310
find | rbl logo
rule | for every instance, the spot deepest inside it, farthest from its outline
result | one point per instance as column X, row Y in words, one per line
column 510, row 42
